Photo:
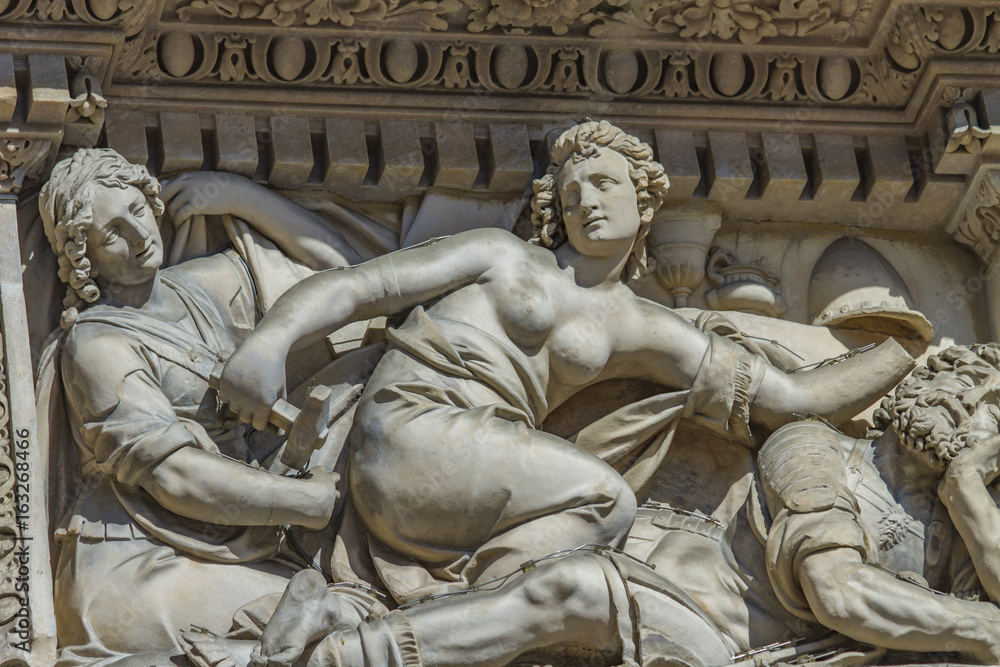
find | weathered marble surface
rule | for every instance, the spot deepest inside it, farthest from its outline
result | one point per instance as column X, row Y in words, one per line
column 523, row 403
column 834, row 181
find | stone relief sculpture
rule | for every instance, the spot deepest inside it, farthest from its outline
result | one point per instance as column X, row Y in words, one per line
column 835, row 533
column 173, row 524
column 451, row 483
column 510, row 331
column 833, row 184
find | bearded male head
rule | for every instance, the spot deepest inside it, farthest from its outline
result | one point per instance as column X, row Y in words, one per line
column 954, row 395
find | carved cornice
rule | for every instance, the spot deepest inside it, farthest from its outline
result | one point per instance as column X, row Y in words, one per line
column 518, row 68
column 130, row 17
column 825, row 54
column 634, row 50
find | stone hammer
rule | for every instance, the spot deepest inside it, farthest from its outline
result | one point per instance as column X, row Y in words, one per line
column 307, row 428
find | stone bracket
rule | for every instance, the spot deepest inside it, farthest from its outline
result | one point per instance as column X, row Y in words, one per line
column 47, row 100
column 976, row 220
column 969, row 130
column 22, row 159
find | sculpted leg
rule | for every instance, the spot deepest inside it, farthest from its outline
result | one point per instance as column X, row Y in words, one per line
column 307, row 611
column 481, row 484
column 558, row 603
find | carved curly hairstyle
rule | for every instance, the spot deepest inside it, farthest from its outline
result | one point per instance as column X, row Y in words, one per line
column 66, row 203
column 938, row 437
column 579, row 143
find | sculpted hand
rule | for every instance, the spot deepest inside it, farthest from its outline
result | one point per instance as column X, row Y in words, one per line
column 209, row 193
column 253, row 380
column 980, row 460
column 986, row 649
column 323, row 488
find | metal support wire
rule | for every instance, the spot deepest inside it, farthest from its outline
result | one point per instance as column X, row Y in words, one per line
column 832, row 360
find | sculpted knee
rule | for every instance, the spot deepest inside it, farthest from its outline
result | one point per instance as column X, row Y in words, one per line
column 573, row 585
column 621, row 513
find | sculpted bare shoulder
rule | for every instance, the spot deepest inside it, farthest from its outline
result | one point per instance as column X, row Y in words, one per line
column 218, row 276
column 96, row 359
column 493, row 248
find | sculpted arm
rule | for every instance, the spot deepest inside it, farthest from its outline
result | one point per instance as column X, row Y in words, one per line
column 300, row 233
column 137, row 438
column 327, row 301
column 874, row 607
column 963, row 490
column 666, row 348
column 203, row 486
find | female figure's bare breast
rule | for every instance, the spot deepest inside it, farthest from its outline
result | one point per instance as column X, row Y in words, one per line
column 562, row 330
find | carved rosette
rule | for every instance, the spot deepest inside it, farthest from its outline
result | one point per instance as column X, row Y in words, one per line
column 977, row 221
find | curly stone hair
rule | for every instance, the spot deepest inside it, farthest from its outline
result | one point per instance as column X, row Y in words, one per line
column 579, row 143
column 938, row 439
column 66, row 203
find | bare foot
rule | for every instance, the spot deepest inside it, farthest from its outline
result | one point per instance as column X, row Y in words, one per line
column 208, row 650
column 307, row 612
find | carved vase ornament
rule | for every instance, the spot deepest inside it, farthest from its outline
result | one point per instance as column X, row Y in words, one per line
column 679, row 240
column 751, row 287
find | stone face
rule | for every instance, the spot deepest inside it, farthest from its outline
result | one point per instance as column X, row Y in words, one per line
column 451, row 404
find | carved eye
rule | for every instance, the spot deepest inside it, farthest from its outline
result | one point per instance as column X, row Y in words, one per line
column 112, row 236
column 605, row 183
column 139, row 209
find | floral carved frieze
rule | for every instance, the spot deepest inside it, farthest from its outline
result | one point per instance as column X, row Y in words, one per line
column 284, row 13
column 749, row 22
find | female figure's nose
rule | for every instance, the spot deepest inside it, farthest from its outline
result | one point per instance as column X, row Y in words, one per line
column 137, row 230
column 589, row 198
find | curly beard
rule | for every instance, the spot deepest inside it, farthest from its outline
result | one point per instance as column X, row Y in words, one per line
column 934, row 425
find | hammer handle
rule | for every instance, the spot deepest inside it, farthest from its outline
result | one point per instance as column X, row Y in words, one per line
column 283, row 413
